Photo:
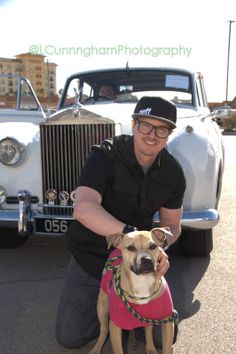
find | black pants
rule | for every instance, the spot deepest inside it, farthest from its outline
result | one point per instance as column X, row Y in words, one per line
column 77, row 321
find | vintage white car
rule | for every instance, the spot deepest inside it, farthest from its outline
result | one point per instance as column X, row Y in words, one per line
column 40, row 162
column 37, row 193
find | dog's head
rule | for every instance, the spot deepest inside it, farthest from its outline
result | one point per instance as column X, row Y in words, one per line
column 140, row 249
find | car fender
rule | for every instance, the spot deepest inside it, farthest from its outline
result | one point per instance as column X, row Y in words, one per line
column 201, row 157
column 28, row 173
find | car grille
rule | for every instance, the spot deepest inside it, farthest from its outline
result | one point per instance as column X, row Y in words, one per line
column 64, row 149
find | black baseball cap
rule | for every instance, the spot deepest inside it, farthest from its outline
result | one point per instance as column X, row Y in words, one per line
column 157, row 108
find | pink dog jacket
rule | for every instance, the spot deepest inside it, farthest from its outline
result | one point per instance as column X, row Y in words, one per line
column 157, row 309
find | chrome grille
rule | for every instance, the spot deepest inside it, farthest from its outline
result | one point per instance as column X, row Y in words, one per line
column 64, row 149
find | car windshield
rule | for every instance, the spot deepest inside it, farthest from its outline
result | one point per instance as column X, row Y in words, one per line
column 15, row 93
column 129, row 86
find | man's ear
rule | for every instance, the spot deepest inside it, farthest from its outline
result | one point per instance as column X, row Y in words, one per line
column 133, row 122
column 114, row 240
column 160, row 233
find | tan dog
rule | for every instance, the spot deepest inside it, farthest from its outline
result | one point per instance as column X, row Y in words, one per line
column 141, row 286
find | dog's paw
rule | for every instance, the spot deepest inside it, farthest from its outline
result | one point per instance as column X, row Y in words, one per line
column 94, row 352
column 151, row 350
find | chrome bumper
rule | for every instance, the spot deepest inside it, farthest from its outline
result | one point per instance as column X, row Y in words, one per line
column 9, row 218
column 19, row 219
column 203, row 219
column 23, row 219
column 196, row 220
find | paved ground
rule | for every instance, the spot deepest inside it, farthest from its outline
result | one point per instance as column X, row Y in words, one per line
column 203, row 289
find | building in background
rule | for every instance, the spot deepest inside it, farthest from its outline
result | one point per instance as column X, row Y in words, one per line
column 40, row 73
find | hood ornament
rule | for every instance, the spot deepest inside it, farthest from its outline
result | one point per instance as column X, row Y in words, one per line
column 76, row 108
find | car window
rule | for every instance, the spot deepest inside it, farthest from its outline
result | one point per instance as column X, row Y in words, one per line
column 130, row 87
column 77, row 92
column 86, row 92
column 16, row 93
column 27, row 100
column 72, row 94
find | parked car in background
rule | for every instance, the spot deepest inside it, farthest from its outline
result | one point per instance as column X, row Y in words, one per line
column 229, row 120
column 225, row 116
column 41, row 157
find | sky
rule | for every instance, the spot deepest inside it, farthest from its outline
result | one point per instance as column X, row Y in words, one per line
column 86, row 35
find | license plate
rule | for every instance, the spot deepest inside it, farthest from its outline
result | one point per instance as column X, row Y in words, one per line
column 52, row 226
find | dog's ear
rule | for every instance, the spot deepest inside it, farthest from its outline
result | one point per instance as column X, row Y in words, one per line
column 114, row 240
column 160, row 232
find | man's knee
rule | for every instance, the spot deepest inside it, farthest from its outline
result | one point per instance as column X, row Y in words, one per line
column 66, row 341
column 75, row 328
column 76, row 320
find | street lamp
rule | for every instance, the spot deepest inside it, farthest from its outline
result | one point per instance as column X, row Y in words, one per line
column 227, row 76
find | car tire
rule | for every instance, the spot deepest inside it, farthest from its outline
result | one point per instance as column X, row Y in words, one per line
column 196, row 243
column 9, row 238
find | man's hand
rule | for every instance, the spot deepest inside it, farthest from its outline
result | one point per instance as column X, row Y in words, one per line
column 164, row 263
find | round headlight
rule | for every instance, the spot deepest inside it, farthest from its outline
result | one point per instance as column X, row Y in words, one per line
column 11, row 152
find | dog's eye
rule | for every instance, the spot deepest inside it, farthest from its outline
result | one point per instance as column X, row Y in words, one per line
column 153, row 246
column 131, row 248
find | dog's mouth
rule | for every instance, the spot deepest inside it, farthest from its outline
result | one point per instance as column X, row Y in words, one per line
column 139, row 271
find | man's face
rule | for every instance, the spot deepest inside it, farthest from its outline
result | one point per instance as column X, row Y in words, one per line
column 146, row 142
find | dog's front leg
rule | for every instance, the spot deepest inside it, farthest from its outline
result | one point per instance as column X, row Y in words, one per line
column 102, row 312
column 150, row 346
column 167, row 337
column 116, row 338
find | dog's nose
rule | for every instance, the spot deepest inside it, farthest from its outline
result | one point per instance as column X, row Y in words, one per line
column 143, row 265
column 147, row 264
